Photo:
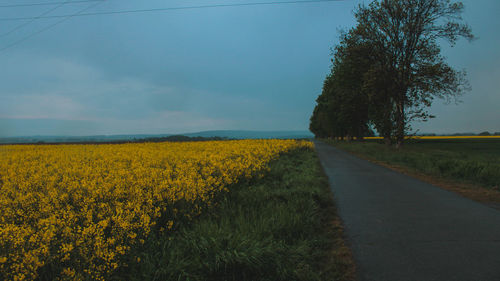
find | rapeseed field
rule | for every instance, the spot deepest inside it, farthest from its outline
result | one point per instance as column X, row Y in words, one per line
column 77, row 210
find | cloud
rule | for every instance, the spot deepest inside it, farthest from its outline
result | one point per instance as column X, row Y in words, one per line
column 40, row 106
column 56, row 89
column 168, row 122
column 165, row 122
column 61, row 91
column 237, row 68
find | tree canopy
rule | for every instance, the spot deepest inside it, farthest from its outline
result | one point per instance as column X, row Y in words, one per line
column 387, row 70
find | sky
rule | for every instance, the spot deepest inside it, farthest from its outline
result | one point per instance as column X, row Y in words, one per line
column 227, row 68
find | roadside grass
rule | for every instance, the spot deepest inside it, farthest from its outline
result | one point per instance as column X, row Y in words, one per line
column 283, row 226
column 470, row 167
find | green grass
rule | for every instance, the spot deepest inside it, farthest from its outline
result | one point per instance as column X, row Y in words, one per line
column 471, row 161
column 280, row 227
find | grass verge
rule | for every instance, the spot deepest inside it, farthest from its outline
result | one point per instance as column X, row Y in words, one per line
column 468, row 167
column 280, row 227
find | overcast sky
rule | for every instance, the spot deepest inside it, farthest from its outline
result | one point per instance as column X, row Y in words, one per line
column 250, row 68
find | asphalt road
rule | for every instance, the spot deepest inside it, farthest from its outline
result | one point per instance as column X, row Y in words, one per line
column 400, row 228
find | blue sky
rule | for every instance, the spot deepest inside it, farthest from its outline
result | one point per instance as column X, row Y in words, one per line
column 250, row 68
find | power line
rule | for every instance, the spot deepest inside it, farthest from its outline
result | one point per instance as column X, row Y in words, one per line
column 176, row 8
column 67, row 17
column 34, row 19
column 81, row 13
column 47, row 3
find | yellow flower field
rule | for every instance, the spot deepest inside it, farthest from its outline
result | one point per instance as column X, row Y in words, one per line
column 78, row 209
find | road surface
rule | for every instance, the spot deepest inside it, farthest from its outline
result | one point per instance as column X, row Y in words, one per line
column 400, row 228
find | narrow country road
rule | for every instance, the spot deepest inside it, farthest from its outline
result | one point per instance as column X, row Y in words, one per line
column 400, row 228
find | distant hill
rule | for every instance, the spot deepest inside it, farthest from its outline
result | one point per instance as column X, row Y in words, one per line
column 223, row 134
column 233, row 134
column 77, row 139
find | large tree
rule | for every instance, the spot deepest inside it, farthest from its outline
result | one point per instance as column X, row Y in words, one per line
column 377, row 86
column 404, row 35
column 342, row 107
column 351, row 60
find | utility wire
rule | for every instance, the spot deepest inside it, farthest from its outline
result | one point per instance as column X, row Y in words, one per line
column 46, row 3
column 176, row 8
column 33, row 19
column 67, row 17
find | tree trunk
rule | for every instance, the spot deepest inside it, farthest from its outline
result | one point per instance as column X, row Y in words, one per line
column 400, row 126
column 387, row 140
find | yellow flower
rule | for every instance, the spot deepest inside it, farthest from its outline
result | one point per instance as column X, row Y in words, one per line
column 92, row 203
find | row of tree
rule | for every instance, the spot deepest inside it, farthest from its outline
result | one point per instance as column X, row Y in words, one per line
column 387, row 70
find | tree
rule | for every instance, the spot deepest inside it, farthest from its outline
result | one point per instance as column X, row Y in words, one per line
column 377, row 86
column 319, row 123
column 404, row 35
column 342, row 107
column 327, row 120
column 351, row 61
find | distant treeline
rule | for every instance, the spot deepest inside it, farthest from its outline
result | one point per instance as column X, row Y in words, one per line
column 175, row 138
column 387, row 70
column 489, row 134
column 486, row 133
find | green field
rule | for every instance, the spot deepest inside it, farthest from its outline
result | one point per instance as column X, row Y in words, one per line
column 280, row 227
column 475, row 161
